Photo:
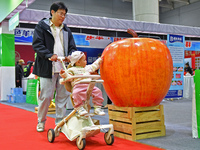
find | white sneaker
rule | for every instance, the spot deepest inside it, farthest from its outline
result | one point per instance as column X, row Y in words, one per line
column 40, row 127
column 98, row 111
column 82, row 111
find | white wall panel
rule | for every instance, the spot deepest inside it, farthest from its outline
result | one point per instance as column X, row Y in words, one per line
column 7, row 81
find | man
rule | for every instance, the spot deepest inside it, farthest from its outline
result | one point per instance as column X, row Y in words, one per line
column 27, row 68
column 51, row 39
column 19, row 73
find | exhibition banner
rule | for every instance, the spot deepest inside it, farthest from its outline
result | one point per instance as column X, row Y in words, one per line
column 32, row 91
column 91, row 53
column 23, row 35
column 176, row 45
column 91, row 45
column 192, row 46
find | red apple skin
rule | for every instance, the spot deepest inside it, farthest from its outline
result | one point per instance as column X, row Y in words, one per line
column 137, row 72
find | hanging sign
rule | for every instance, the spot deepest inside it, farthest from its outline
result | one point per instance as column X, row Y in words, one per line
column 14, row 21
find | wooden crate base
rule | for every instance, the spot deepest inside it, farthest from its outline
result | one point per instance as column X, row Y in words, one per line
column 134, row 123
column 50, row 110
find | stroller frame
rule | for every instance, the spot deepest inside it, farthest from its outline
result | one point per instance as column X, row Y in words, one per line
column 88, row 130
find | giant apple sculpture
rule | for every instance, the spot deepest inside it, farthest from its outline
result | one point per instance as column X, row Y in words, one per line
column 137, row 72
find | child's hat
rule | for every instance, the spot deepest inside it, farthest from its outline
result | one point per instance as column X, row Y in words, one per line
column 75, row 56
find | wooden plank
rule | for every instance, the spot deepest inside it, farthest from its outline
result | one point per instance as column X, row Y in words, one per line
column 124, row 136
column 147, row 108
column 121, row 109
column 149, row 129
column 36, row 108
column 118, row 114
column 162, row 119
column 161, row 109
column 117, row 118
column 50, row 110
column 163, row 131
column 148, row 135
column 122, row 127
column 53, row 112
column 113, row 107
column 147, row 116
column 148, row 124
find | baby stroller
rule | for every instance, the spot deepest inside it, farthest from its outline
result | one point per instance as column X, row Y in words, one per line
column 79, row 127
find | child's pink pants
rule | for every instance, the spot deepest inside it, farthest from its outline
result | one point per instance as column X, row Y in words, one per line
column 79, row 95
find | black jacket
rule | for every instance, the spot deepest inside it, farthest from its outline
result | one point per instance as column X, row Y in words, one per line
column 43, row 44
column 18, row 72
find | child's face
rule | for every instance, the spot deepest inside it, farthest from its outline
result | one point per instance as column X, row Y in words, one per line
column 82, row 62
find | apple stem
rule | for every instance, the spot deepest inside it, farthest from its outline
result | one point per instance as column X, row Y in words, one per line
column 132, row 32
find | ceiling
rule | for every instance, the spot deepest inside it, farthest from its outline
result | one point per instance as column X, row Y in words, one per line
column 164, row 5
column 167, row 5
column 20, row 8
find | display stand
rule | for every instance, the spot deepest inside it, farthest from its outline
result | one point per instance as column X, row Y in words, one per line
column 135, row 123
column 51, row 110
column 196, row 106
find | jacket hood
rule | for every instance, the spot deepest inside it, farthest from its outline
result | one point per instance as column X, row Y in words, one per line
column 45, row 24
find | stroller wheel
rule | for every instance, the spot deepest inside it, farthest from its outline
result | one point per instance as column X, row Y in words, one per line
column 110, row 140
column 51, row 135
column 82, row 144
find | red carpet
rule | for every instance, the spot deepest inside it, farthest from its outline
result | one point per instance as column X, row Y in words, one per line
column 18, row 132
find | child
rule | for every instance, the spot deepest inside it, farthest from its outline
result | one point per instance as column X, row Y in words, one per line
column 78, row 66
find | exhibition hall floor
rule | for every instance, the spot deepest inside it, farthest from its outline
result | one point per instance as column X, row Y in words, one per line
column 178, row 122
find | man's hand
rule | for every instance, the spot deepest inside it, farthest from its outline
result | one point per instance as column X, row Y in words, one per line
column 66, row 59
column 54, row 57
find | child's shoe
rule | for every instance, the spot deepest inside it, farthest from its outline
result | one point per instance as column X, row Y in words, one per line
column 82, row 111
column 98, row 111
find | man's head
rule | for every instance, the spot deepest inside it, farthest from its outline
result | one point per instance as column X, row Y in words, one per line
column 21, row 62
column 58, row 11
column 29, row 62
column 187, row 65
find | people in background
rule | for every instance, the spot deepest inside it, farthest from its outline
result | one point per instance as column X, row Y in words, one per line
column 188, row 69
column 27, row 68
column 31, row 71
column 51, row 39
column 19, row 73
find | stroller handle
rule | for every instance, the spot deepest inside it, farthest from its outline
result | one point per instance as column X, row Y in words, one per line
column 93, row 78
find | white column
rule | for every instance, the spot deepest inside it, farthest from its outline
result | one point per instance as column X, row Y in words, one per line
column 7, row 72
column 146, row 10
